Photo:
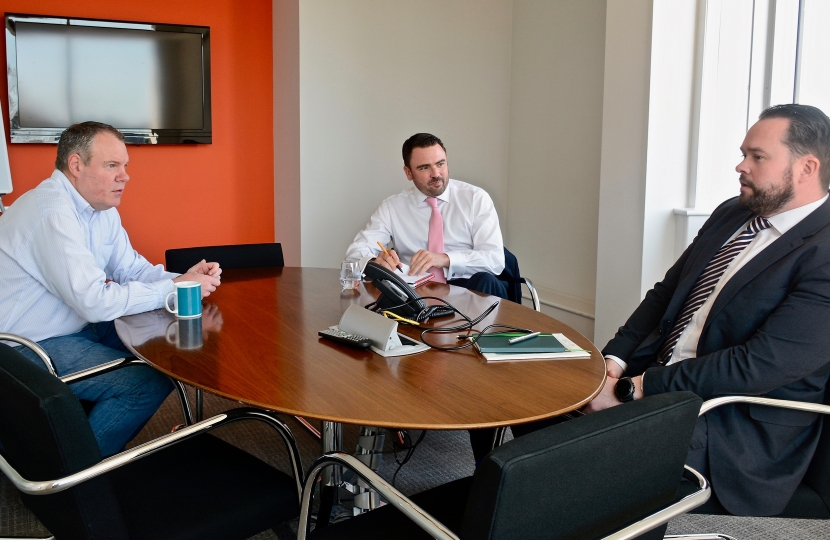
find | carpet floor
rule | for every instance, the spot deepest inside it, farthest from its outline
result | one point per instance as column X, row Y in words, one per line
column 441, row 457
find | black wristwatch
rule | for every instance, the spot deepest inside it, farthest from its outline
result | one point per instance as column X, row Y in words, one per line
column 624, row 389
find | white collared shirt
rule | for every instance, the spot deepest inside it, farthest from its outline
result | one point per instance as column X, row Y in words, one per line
column 64, row 264
column 472, row 236
column 686, row 346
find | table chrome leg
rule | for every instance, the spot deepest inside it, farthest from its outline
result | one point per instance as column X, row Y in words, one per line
column 332, row 441
column 185, row 402
column 199, row 404
column 369, row 451
column 498, row 437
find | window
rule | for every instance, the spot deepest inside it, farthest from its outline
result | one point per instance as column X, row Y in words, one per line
column 752, row 54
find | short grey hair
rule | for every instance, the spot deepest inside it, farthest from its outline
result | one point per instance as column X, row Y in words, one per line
column 78, row 138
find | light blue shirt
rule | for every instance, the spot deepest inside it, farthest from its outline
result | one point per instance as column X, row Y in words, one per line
column 64, row 264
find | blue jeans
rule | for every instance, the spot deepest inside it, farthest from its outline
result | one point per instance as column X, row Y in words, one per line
column 124, row 399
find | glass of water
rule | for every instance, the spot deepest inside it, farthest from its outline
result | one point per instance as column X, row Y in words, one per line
column 350, row 274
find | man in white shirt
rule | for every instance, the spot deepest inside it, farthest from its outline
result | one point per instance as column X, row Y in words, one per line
column 444, row 226
column 746, row 310
column 67, row 270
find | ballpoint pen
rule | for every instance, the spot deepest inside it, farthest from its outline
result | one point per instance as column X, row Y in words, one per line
column 400, row 268
column 519, row 339
column 390, row 315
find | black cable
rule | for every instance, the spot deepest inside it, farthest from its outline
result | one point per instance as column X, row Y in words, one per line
column 410, row 450
column 465, row 326
column 424, row 314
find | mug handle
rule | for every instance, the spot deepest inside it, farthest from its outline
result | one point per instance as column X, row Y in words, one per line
column 167, row 333
column 167, row 306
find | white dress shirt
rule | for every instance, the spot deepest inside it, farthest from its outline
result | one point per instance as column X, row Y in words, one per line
column 472, row 237
column 686, row 346
column 64, row 264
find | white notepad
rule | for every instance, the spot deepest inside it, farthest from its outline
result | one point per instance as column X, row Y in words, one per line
column 415, row 281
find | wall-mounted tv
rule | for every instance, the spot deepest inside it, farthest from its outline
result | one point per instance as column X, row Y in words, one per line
column 151, row 81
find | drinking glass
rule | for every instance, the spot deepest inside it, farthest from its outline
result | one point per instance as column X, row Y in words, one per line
column 350, row 274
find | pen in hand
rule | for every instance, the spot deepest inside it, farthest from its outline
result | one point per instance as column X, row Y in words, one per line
column 519, row 339
column 400, row 268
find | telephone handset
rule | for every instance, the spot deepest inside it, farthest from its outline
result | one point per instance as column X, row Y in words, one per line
column 394, row 292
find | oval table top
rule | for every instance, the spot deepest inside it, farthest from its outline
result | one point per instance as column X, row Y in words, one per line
column 257, row 343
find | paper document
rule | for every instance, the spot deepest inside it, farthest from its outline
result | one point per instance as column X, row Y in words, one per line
column 415, row 281
column 572, row 350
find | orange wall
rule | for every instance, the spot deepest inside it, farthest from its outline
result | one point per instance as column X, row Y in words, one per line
column 186, row 195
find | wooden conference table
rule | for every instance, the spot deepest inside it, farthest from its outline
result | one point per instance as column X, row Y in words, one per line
column 265, row 352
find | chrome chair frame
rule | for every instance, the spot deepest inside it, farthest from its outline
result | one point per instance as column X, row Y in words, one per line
column 46, row 487
column 437, row 530
column 704, row 536
column 534, row 296
column 718, row 402
column 187, row 410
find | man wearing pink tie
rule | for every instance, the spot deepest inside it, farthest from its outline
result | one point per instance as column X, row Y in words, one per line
column 443, row 226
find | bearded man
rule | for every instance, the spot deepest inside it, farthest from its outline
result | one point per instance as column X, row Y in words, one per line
column 746, row 310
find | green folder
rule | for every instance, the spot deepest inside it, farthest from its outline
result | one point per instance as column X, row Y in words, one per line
column 497, row 343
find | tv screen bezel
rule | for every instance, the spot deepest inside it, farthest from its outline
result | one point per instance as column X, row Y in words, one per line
column 133, row 136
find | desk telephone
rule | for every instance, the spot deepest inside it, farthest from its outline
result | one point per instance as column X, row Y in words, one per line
column 398, row 297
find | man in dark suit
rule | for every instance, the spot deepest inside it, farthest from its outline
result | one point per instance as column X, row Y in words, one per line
column 746, row 310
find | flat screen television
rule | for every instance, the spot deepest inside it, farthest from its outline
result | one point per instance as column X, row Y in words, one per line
column 151, row 81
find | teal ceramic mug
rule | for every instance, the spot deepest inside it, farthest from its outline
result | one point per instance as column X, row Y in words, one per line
column 188, row 302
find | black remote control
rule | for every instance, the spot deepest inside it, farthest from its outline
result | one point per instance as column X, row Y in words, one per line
column 352, row 340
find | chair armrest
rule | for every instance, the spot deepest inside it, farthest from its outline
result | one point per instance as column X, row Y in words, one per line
column 678, row 508
column 94, row 371
column 46, row 487
column 783, row 403
column 38, row 350
column 72, row 377
column 397, row 499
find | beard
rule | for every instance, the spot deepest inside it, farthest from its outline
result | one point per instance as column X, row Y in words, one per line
column 434, row 191
column 767, row 202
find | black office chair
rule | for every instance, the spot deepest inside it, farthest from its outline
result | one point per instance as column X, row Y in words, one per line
column 811, row 499
column 615, row 471
column 188, row 484
column 513, row 277
column 234, row 256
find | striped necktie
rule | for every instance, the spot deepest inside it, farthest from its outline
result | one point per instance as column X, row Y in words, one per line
column 707, row 281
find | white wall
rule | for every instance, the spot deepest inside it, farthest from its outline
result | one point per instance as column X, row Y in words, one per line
column 372, row 73
column 555, row 137
column 647, row 127
column 623, row 167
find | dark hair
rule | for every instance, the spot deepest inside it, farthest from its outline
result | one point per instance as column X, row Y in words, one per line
column 808, row 133
column 78, row 138
column 419, row 140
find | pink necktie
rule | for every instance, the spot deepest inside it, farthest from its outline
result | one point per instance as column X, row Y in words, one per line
column 435, row 240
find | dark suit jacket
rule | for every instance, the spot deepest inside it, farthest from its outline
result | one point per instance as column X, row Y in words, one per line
column 768, row 334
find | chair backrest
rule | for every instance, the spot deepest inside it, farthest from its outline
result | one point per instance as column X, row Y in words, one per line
column 234, row 256
column 586, row 477
column 45, row 435
column 512, row 276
